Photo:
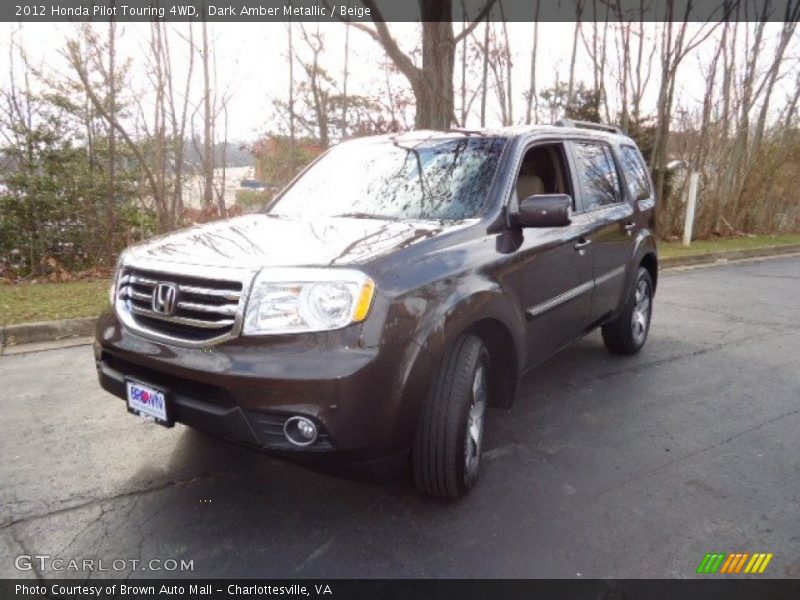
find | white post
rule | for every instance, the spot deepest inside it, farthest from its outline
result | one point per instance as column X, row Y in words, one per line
column 691, row 204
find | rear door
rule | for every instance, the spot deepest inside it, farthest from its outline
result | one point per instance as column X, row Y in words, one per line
column 609, row 212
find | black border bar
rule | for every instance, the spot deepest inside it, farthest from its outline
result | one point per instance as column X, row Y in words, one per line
column 30, row 11
column 402, row 589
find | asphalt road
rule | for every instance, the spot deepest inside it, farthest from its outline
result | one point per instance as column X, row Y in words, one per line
column 605, row 467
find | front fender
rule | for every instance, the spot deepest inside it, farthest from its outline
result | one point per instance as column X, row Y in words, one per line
column 436, row 315
column 455, row 305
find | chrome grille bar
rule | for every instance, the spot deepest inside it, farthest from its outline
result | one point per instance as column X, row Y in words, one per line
column 182, row 320
column 131, row 293
column 207, row 309
column 226, row 294
column 222, row 309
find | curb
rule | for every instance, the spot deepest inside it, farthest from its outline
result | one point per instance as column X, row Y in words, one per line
column 48, row 331
column 713, row 257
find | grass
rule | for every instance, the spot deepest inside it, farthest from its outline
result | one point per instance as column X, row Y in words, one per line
column 669, row 249
column 26, row 302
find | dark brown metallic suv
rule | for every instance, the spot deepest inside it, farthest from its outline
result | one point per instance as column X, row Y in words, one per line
column 399, row 285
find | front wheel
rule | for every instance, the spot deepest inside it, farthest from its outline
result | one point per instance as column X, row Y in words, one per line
column 628, row 332
column 447, row 447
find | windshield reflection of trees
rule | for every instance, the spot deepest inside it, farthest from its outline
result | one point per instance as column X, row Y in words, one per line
column 397, row 179
column 446, row 180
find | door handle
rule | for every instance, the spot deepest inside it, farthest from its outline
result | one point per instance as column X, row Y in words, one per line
column 629, row 227
column 581, row 245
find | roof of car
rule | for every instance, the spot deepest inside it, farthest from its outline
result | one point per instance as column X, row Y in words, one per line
column 560, row 129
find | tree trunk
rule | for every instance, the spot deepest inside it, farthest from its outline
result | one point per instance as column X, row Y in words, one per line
column 787, row 33
column 509, row 88
column 485, row 74
column 292, row 132
column 345, row 74
column 574, row 54
column 208, row 157
column 112, row 140
column 533, row 105
column 463, row 121
column 434, row 89
column 433, row 82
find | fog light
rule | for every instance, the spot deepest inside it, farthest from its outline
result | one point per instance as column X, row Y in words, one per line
column 300, row 431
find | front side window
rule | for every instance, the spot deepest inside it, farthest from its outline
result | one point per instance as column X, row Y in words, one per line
column 598, row 175
column 635, row 173
column 447, row 179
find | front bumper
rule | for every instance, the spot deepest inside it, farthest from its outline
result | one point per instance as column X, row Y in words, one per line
column 363, row 400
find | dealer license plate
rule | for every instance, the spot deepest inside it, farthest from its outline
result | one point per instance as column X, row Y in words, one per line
column 147, row 401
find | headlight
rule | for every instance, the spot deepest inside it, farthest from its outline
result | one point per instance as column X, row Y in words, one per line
column 303, row 300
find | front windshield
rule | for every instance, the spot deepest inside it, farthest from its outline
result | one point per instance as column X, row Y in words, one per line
column 444, row 179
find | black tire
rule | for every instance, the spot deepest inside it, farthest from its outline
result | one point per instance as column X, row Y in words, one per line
column 445, row 457
column 623, row 335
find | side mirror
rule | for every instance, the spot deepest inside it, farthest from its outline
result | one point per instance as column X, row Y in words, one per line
column 544, row 210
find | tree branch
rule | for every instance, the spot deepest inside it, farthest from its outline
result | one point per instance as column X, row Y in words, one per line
column 384, row 37
column 74, row 58
column 487, row 8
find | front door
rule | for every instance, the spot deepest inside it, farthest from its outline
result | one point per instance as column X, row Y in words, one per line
column 555, row 264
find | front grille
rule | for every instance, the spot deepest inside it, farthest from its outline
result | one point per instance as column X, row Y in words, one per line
column 203, row 309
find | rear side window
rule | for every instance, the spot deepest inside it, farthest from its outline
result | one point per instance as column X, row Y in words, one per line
column 635, row 173
column 598, row 175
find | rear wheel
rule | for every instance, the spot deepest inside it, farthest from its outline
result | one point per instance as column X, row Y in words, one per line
column 447, row 448
column 628, row 332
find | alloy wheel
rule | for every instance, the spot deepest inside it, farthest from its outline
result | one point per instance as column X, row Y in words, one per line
column 475, row 419
column 640, row 318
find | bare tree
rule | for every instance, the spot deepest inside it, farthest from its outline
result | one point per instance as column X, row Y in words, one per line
column 345, row 74
column 208, row 123
column 80, row 65
column 464, row 40
column 432, row 82
column 674, row 48
column 111, row 191
column 179, row 112
column 790, row 17
column 485, row 74
column 574, row 53
column 318, row 84
column 597, row 51
column 155, row 135
column 532, row 107
column 498, row 57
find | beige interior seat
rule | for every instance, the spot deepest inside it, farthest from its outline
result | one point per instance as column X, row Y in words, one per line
column 529, row 185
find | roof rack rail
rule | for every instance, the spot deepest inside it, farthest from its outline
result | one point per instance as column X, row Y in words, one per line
column 464, row 131
column 588, row 125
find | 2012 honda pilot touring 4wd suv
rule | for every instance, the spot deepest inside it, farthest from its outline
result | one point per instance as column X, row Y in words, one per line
column 398, row 286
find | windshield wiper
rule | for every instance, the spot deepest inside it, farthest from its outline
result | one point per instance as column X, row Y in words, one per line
column 365, row 215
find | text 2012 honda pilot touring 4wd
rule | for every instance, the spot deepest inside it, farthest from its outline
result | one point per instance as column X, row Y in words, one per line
column 396, row 288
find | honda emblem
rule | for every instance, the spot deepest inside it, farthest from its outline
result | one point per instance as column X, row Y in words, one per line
column 164, row 298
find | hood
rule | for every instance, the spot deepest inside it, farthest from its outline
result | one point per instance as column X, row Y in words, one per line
column 263, row 240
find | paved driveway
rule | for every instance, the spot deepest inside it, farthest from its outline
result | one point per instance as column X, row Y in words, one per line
column 605, row 467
